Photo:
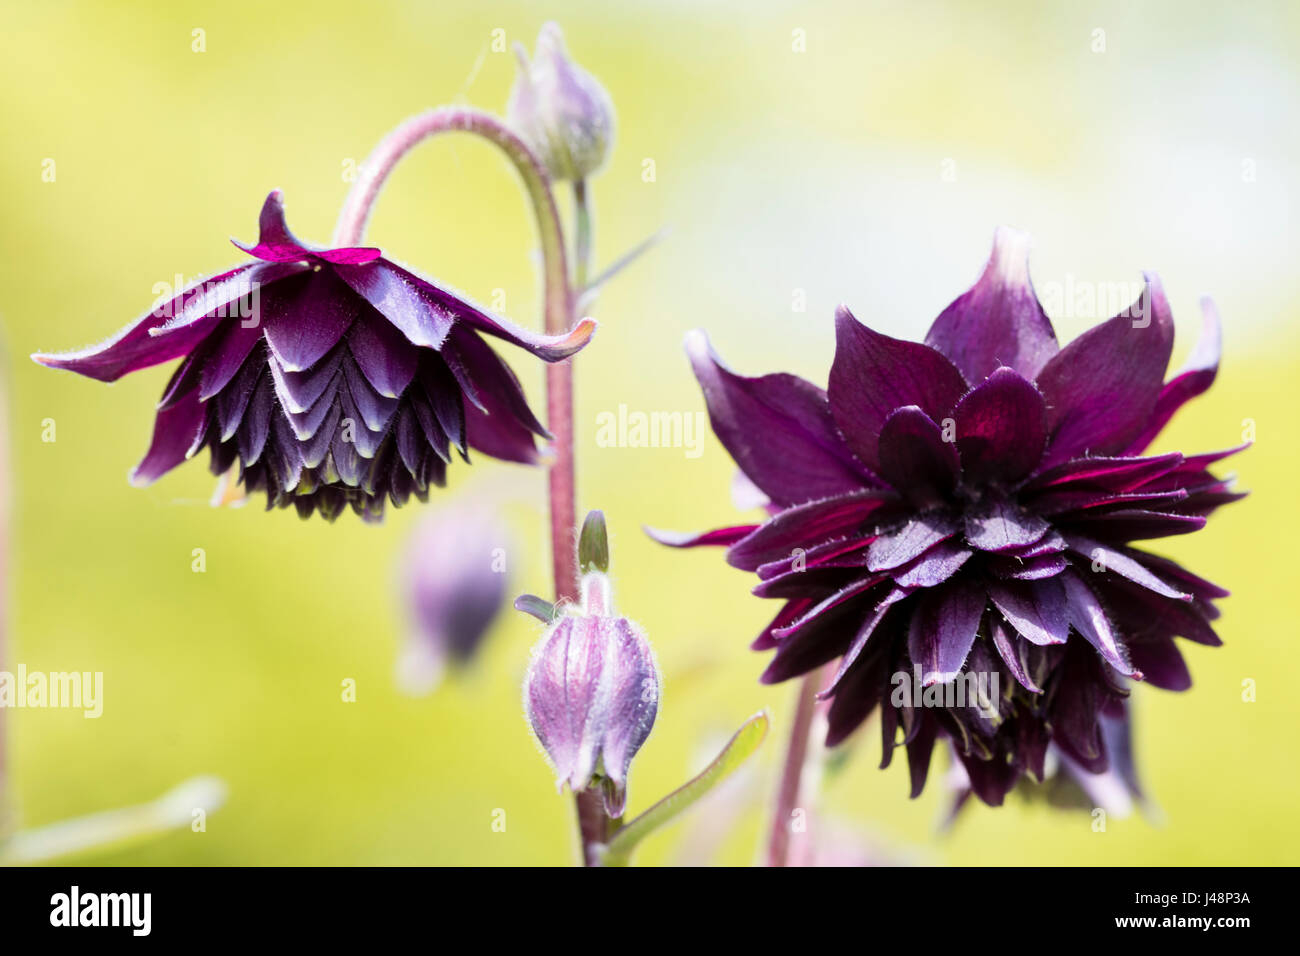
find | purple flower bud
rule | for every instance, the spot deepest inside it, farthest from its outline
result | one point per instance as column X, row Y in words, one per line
column 560, row 109
column 454, row 585
column 592, row 693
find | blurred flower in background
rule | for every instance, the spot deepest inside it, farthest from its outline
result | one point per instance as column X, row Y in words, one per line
column 454, row 581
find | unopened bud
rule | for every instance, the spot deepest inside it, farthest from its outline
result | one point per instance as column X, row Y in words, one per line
column 560, row 110
column 592, row 694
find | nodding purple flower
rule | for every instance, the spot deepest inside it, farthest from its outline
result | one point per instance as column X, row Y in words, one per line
column 560, row 110
column 965, row 509
column 592, row 693
column 454, row 586
column 333, row 377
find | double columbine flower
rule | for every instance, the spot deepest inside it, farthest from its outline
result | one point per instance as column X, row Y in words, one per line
column 333, row 377
column 966, row 508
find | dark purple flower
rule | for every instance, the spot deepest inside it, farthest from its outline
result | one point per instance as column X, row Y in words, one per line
column 967, row 508
column 592, row 694
column 334, row 377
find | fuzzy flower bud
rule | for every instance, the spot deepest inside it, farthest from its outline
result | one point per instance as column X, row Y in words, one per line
column 592, row 693
column 560, row 109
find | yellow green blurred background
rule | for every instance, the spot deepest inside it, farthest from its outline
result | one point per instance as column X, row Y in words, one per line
column 804, row 153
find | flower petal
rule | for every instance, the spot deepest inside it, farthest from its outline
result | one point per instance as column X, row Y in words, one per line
column 999, row 524
column 806, row 526
column 851, row 656
column 1088, row 617
column 915, row 459
column 1001, row 428
column 934, row 566
column 999, row 321
column 1004, row 641
column 275, row 243
column 1101, row 389
column 1109, row 474
column 134, row 347
column 895, row 549
column 943, row 629
column 874, row 374
column 564, row 697
column 1195, row 377
column 488, row 381
column 686, row 539
column 425, row 311
column 231, row 349
column 1161, row 663
column 1123, row 564
column 177, row 434
column 1036, row 609
column 1134, row 524
column 633, row 688
column 306, row 316
column 384, row 356
column 778, row 428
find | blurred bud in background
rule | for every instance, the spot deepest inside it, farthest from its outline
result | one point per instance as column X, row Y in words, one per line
column 560, row 110
column 454, row 582
column 592, row 690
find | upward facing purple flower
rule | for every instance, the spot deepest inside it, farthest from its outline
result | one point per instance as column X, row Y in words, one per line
column 334, row 377
column 967, row 507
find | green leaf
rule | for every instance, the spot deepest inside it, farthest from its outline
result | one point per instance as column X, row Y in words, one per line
column 738, row 749
column 540, row 608
column 109, row 829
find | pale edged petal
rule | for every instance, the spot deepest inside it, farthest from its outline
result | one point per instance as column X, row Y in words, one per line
column 943, row 629
column 724, row 537
column 1088, row 618
column 306, row 316
column 1036, row 609
column 896, row 548
column 178, row 433
column 999, row 320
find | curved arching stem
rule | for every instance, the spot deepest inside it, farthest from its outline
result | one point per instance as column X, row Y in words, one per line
column 379, row 164
column 558, row 306
column 558, row 301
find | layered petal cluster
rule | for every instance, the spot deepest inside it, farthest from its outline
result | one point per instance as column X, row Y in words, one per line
column 966, row 509
column 332, row 377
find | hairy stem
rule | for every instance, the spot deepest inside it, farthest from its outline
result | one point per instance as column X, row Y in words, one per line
column 788, row 794
column 594, row 825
